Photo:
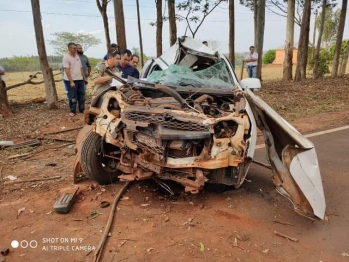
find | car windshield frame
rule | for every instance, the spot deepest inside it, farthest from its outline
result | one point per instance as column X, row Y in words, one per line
column 216, row 76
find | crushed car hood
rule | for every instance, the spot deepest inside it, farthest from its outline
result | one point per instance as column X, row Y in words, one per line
column 293, row 160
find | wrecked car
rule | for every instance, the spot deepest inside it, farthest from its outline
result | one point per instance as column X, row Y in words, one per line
column 189, row 120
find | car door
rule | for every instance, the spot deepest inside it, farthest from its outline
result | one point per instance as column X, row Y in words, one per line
column 293, row 160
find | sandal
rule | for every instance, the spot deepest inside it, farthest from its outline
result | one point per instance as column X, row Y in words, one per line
column 71, row 114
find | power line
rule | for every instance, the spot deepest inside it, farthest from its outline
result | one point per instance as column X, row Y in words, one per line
column 110, row 17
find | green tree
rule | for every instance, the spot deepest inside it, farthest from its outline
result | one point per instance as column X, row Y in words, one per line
column 324, row 61
column 331, row 24
column 196, row 12
column 63, row 38
column 269, row 56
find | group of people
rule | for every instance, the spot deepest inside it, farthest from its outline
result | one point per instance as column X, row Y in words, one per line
column 76, row 70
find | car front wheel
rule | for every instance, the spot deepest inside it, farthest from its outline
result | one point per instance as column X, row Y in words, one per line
column 94, row 164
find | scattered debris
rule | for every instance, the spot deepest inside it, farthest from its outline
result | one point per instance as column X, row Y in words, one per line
column 99, row 250
column 235, row 244
column 56, row 139
column 11, row 177
column 32, row 180
column 49, row 213
column 202, row 247
column 285, row 236
column 284, row 223
column 265, row 251
column 29, row 143
column 20, row 211
column 150, row 249
column 2, row 259
column 65, row 202
column 345, row 255
column 50, row 164
column 125, row 198
column 6, row 143
column 122, row 243
column 95, row 213
column 4, row 251
column 243, row 238
column 167, row 219
column 104, row 204
column 145, row 205
column 17, row 156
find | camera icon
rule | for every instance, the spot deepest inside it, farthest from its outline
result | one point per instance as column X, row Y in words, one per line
column 24, row 244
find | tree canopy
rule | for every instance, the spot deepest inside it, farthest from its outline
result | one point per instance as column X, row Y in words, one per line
column 196, row 12
column 63, row 38
column 330, row 25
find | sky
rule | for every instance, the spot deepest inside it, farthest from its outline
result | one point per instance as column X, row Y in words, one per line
column 17, row 36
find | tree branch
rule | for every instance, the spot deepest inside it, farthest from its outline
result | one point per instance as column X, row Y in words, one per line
column 205, row 15
column 272, row 11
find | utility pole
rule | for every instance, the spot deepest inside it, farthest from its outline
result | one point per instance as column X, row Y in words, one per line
column 140, row 33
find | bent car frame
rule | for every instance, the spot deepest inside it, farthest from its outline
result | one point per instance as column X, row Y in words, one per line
column 191, row 121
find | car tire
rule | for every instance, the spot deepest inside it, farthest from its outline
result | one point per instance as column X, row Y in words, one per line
column 92, row 161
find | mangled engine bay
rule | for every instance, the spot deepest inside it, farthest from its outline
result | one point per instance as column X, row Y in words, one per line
column 188, row 135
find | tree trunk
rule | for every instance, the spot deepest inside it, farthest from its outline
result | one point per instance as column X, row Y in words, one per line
column 345, row 60
column 172, row 21
column 318, row 45
column 140, row 33
column 302, row 57
column 337, row 51
column 288, row 57
column 259, row 35
column 106, row 29
column 5, row 108
column 50, row 88
column 102, row 7
column 255, row 18
column 159, row 24
column 232, row 32
column 314, row 35
column 120, row 24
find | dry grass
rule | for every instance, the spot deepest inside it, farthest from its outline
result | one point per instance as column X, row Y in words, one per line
column 29, row 92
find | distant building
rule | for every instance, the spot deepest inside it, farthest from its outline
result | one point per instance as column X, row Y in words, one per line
column 280, row 54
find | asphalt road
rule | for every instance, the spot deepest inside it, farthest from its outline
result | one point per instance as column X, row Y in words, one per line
column 319, row 240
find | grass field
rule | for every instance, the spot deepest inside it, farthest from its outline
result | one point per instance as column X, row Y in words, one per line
column 29, row 92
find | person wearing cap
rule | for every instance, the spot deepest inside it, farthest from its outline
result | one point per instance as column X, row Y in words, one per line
column 74, row 79
column 113, row 46
column 124, row 66
column 102, row 80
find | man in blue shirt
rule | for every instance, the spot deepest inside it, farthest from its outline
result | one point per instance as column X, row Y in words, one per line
column 113, row 46
column 124, row 66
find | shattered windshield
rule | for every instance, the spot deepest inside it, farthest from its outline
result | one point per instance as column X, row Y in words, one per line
column 175, row 75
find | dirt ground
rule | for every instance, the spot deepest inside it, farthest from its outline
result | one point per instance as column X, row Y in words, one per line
column 236, row 225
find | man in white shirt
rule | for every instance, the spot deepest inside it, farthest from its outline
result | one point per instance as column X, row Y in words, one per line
column 74, row 79
column 251, row 59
